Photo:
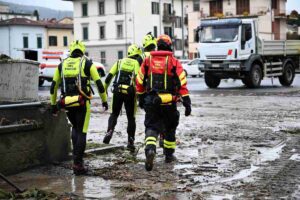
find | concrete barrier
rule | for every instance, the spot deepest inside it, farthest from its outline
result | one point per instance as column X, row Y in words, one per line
column 19, row 80
column 35, row 137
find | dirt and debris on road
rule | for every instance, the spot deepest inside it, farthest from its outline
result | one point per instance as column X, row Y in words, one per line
column 232, row 147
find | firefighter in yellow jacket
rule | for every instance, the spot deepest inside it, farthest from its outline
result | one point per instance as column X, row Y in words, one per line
column 74, row 74
column 125, row 71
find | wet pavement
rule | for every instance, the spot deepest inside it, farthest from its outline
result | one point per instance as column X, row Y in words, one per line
column 239, row 143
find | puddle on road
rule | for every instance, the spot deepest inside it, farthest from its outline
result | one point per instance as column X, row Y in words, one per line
column 241, row 175
column 269, row 154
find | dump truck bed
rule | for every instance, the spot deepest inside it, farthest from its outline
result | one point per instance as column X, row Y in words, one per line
column 278, row 47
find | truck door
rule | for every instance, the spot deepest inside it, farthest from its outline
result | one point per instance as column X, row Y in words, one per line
column 247, row 41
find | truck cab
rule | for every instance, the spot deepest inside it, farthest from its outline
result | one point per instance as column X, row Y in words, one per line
column 231, row 48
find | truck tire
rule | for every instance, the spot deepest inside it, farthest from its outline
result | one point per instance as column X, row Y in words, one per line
column 288, row 75
column 41, row 82
column 253, row 79
column 211, row 81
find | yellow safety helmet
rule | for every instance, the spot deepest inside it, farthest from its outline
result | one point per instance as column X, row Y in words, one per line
column 77, row 45
column 134, row 50
column 148, row 40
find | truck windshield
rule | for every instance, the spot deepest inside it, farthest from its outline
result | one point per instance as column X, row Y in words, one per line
column 215, row 34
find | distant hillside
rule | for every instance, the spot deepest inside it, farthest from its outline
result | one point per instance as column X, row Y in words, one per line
column 44, row 12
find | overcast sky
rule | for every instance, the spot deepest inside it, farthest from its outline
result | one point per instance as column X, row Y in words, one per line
column 65, row 5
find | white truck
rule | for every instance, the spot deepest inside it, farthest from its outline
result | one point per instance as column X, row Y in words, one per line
column 231, row 48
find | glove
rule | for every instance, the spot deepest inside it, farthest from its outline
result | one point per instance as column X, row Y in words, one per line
column 141, row 98
column 105, row 105
column 156, row 100
column 187, row 104
column 54, row 110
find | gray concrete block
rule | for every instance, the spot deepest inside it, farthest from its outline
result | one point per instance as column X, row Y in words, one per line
column 19, row 80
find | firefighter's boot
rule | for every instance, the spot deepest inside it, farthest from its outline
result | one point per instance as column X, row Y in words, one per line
column 79, row 169
column 130, row 144
column 150, row 155
column 108, row 136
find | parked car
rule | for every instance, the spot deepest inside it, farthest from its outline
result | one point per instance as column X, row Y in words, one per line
column 191, row 68
column 47, row 68
column 183, row 63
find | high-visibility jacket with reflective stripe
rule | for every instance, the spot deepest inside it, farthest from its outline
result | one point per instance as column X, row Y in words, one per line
column 157, row 73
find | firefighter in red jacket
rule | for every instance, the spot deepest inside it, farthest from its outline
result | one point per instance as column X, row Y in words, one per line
column 160, row 83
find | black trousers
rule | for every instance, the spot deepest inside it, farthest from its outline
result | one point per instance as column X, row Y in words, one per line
column 158, row 119
column 79, row 118
column 129, row 102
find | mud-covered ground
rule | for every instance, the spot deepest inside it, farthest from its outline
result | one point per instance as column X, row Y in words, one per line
column 238, row 144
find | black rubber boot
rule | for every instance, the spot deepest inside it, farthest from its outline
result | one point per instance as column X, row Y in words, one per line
column 170, row 158
column 150, row 155
column 130, row 144
column 108, row 137
column 79, row 169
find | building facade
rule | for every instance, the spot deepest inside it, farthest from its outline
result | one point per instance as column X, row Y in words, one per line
column 59, row 34
column 108, row 27
column 271, row 15
column 19, row 34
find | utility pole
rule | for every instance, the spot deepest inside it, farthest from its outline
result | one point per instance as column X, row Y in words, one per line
column 182, row 30
column 271, row 14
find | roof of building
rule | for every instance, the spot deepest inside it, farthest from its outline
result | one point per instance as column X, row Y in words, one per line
column 20, row 21
column 28, row 22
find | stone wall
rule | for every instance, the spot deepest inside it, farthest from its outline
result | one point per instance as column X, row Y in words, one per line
column 33, row 137
column 18, row 80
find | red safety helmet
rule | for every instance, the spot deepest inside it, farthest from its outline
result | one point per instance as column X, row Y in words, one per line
column 164, row 42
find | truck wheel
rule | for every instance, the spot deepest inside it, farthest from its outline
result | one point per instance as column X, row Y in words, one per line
column 211, row 81
column 288, row 75
column 41, row 82
column 253, row 79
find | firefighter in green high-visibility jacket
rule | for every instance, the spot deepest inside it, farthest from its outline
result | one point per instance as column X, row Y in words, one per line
column 125, row 71
column 74, row 74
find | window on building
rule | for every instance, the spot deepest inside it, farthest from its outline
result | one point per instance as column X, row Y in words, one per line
column 155, row 8
column 155, row 31
column 52, row 40
column 101, row 8
column 178, row 22
column 102, row 31
column 215, row 7
column 119, row 6
column 242, row 7
column 120, row 54
column 196, row 5
column 274, row 4
column 25, row 41
column 167, row 9
column 85, row 33
column 103, row 57
column 119, row 30
column 168, row 31
column 39, row 42
column 65, row 41
column 84, row 9
column 178, row 44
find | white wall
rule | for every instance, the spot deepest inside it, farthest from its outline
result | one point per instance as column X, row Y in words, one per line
column 4, row 35
column 15, row 41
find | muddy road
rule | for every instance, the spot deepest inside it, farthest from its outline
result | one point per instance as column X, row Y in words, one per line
column 238, row 144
